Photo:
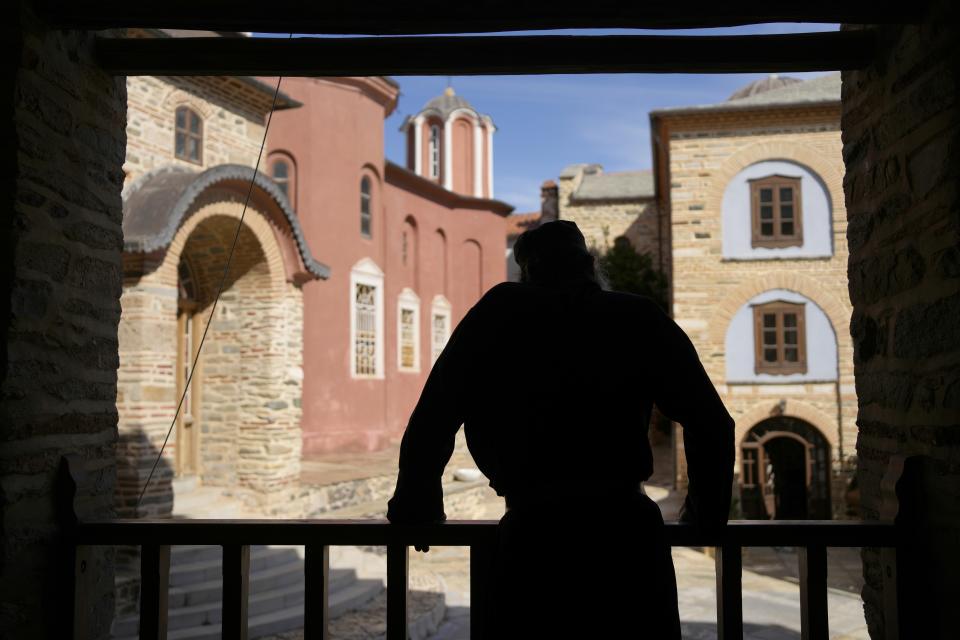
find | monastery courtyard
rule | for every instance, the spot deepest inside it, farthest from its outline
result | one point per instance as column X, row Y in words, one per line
column 440, row 586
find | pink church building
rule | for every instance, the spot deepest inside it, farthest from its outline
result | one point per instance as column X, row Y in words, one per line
column 410, row 248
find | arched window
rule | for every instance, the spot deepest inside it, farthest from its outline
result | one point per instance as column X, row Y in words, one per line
column 366, row 320
column 434, row 151
column 441, row 319
column 188, row 136
column 284, row 174
column 366, row 208
column 408, row 331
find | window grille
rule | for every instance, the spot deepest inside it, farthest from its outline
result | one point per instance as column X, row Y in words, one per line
column 776, row 212
column 365, row 341
column 408, row 339
column 188, row 136
column 441, row 332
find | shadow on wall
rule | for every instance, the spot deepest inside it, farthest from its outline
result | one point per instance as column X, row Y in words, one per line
column 136, row 456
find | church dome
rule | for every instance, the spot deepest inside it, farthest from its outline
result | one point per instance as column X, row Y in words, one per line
column 447, row 103
column 773, row 81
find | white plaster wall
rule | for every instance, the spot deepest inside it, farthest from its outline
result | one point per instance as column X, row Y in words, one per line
column 817, row 214
column 821, row 342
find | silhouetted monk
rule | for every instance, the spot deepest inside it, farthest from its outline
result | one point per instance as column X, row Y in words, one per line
column 554, row 380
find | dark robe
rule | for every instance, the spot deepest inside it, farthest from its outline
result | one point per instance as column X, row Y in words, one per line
column 554, row 386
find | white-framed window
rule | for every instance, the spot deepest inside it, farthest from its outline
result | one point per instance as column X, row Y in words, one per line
column 408, row 331
column 366, row 320
column 441, row 319
column 434, row 148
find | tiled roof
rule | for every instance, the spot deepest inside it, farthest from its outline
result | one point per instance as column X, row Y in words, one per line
column 447, row 102
column 822, row 90
column 626, row 185
column 520, row 222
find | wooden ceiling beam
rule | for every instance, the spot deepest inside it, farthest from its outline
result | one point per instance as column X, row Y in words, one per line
column 389, row 17
column 485, row 55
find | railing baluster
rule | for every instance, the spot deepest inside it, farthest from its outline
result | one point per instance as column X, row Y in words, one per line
column 481, row 565
column 316, row 602
column 154, row 587
column 729, row 592
column 397, row 584
column 236, row 587
column 813, row 593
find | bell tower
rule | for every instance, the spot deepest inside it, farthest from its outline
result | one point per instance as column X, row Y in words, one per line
column 451, row 143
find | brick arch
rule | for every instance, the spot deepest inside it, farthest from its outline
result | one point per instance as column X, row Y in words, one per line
column 831, row 173
column 826, row 425
column 180, row 98
column 837, row 310
column 254, row 220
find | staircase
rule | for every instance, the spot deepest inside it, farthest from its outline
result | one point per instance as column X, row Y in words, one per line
column 276, row 597
column 276, row 593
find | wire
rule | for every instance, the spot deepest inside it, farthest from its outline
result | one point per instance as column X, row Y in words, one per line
column 213, row 308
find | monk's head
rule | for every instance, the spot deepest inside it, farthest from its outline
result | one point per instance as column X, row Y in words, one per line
column 554, row 252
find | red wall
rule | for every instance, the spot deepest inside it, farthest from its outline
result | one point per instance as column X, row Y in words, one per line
column 335, row 138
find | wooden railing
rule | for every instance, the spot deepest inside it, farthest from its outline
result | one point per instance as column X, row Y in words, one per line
column 235, row 536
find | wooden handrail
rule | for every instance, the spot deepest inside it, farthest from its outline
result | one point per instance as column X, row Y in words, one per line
column 235, row 536
column 743, row 533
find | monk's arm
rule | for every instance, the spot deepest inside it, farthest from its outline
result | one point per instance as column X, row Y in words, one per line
column 685, row 394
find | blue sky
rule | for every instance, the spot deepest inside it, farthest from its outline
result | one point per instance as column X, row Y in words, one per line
column 547, row 122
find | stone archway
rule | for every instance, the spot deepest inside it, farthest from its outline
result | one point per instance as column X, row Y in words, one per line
column 246, row 398
column 248, row 378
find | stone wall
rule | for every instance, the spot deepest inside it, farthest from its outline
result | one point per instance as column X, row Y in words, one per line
column 705, row 153
column 61, row 287
column 901, row 132
column 232, row 133
column 602, row 221
column 249, row 377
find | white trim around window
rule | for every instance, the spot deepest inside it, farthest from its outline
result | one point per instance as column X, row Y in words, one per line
column 408, row 331
column 366, row 320
column 441, row 321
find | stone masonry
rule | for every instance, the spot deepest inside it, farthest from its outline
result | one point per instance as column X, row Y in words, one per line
column 602, row 220
column 61, row 290
column 705, row 152
column 901, row 133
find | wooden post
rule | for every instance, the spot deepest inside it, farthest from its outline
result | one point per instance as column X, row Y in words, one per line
column 236, row 587
column 813, row 593
column 154, row 587
column 397, row 584
column 729, row 592
column 481, row 567
column 316, row 601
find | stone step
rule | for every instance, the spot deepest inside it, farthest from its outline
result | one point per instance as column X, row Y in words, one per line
column 276, row 589
column 343, row 598
column 210, row 568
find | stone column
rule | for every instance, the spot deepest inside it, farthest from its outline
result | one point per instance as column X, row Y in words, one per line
column 448, row 154
column 477, row 159
column 417, row 127
column 490, row 129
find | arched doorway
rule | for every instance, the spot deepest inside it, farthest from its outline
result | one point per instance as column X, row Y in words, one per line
column 221, row 404
column 785, row 471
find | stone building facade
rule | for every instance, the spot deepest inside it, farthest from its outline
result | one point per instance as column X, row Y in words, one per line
column 763, row 297
column 192, row 147
column 608, row 205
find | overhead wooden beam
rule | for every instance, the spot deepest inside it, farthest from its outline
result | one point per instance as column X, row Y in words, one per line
column 383, row 17
column 485, row 55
